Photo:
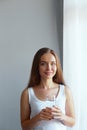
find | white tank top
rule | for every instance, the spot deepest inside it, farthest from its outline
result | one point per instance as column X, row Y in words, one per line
column 37, row 105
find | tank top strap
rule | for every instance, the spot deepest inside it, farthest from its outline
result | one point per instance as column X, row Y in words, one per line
column 30, row 92
column 62, row 90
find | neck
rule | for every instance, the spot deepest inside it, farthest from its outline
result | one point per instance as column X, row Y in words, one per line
column 46, row 84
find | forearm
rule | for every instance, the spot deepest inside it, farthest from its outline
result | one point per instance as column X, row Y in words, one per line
column 30, row 124
column 68, row 121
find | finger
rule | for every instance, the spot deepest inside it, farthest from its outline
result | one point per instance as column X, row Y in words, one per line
column 48, row 108
column 57, row 117
column 46, row 114
column 56, row 114
column 46, row 111
column 56, row 107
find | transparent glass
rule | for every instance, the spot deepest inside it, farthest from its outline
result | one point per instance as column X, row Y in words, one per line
column 51, row 100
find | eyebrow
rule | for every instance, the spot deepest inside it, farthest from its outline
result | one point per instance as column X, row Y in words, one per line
column 46, row 61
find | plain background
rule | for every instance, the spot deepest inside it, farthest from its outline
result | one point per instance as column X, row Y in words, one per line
column 25, row 26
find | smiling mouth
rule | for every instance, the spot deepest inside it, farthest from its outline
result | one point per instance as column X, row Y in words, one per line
column 48, row 73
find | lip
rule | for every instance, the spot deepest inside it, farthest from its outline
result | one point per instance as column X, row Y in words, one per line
column 48, row 73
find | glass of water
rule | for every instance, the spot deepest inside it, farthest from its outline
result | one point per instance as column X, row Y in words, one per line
column 51, row 100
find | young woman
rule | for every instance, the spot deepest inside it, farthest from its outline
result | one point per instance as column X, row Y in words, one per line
column 47, row 102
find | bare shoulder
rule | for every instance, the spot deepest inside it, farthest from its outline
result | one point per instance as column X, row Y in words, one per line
column 24, row 93
column 68, row 91
column 24, row 105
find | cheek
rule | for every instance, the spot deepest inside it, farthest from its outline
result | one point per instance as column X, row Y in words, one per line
column 40, row 70
column 55, row 70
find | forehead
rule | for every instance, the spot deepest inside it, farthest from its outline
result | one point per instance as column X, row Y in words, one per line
column 48, row 57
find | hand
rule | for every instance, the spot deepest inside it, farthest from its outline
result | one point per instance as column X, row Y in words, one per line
column 46, row 114
column 57, row 113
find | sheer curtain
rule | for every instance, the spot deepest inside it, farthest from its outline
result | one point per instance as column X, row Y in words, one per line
column 75, row 56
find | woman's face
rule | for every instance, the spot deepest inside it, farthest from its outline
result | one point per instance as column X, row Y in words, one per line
column 47, row 66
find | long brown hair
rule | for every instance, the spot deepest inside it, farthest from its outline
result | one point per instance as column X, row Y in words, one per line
column 35, row 76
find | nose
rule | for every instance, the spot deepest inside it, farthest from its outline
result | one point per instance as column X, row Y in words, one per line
column 48, row 66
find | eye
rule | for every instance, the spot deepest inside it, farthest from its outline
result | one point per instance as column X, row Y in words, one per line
column 42, row 63
column 53, row 63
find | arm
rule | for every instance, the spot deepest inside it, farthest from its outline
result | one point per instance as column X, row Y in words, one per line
column 26, row 123
column 25, row 111
column 68, row 118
